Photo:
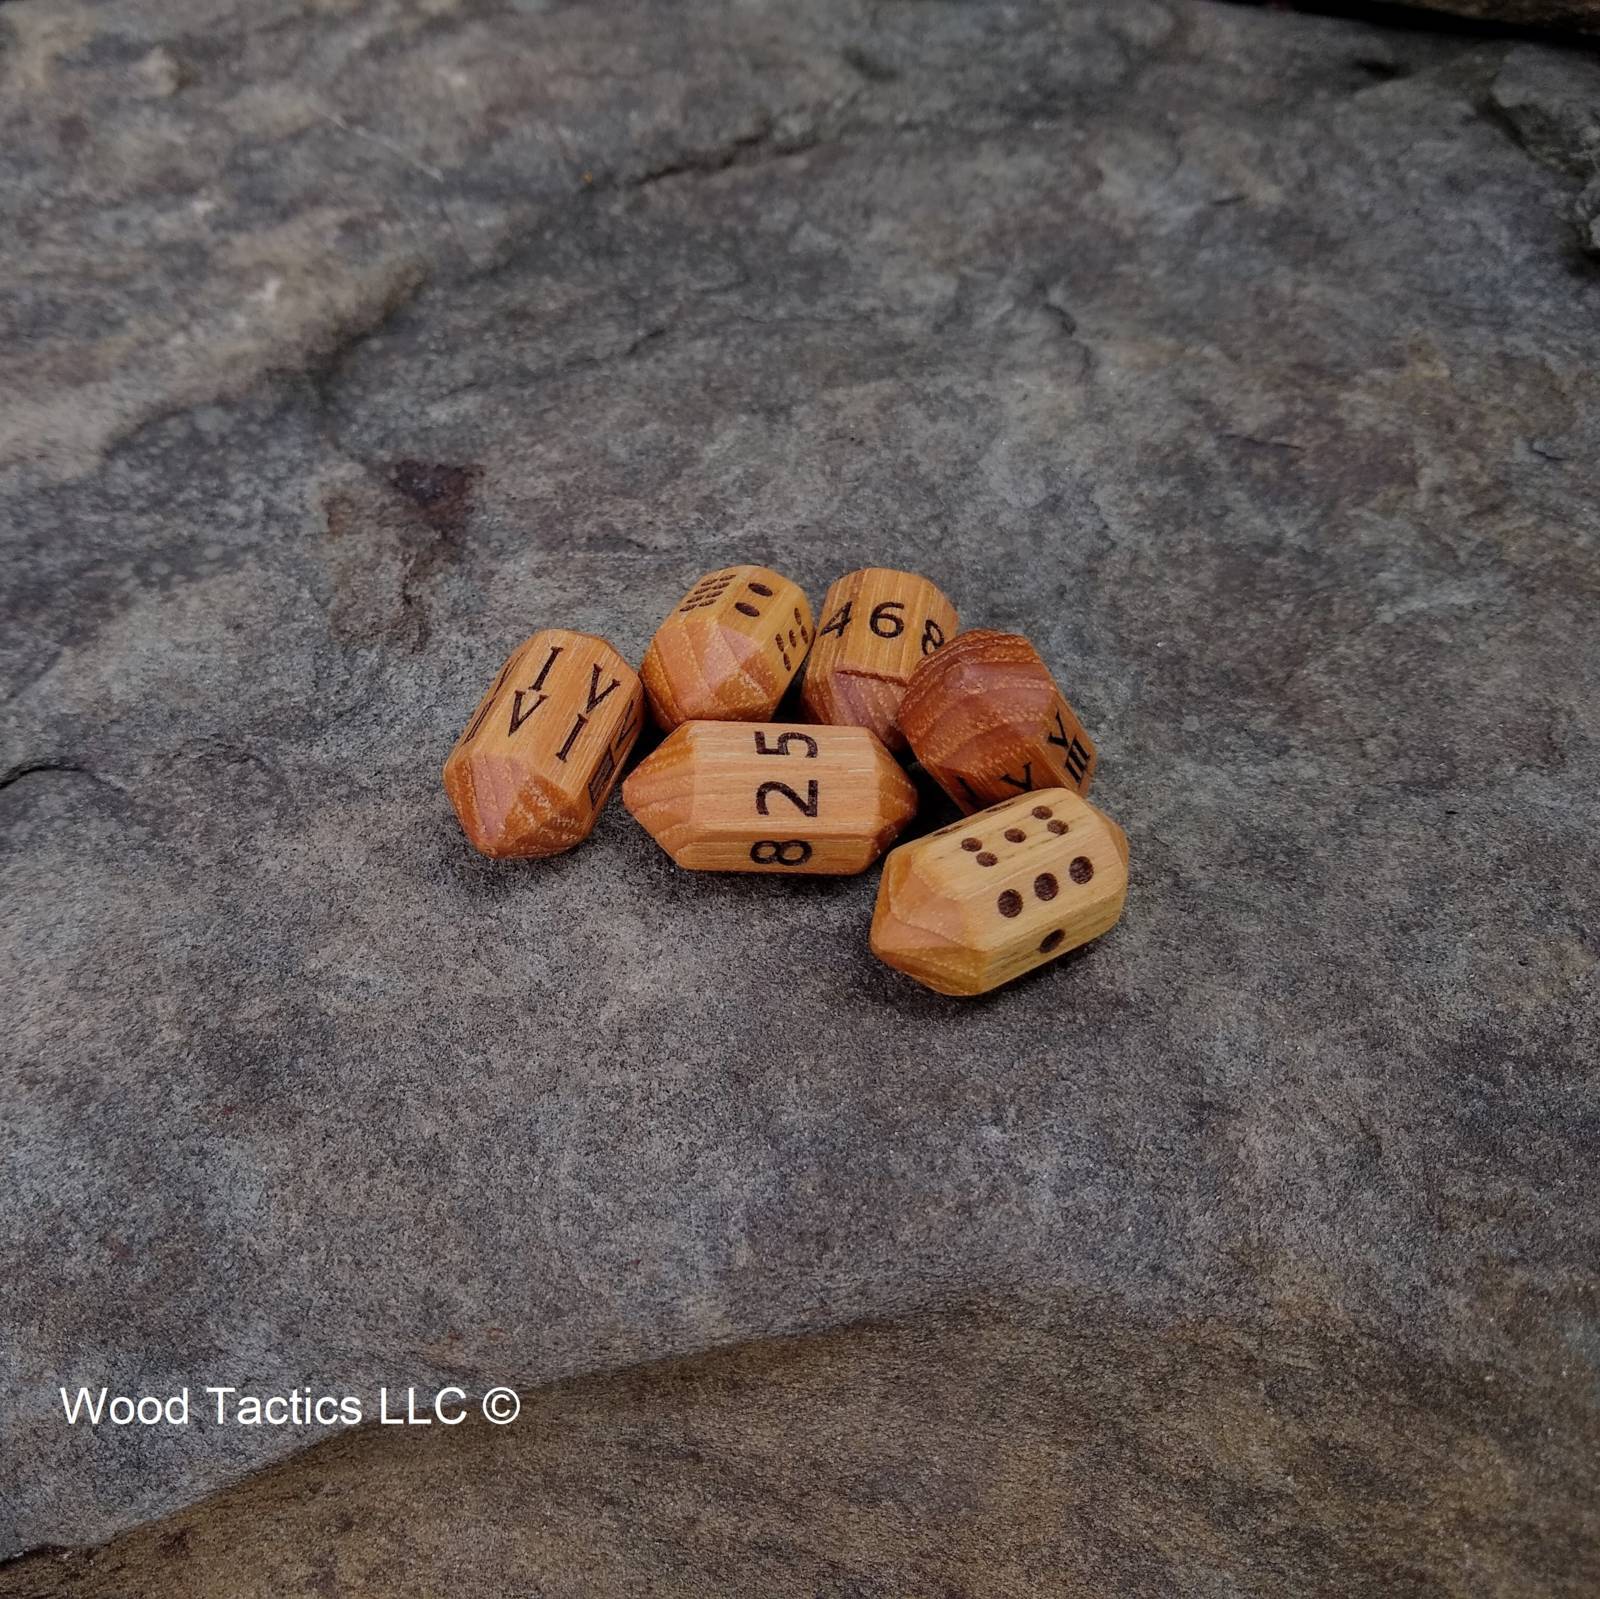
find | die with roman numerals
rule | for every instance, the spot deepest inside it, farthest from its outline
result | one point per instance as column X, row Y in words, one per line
column 878, row 625
column 987, row 721
column 729, row 650
column 545, row 746
column 764, row 797
column 995, row 895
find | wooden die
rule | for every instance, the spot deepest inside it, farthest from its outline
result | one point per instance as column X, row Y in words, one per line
column 761, row 797
column 544, row 747
column 729, row 650
column 990, row 897
column 986, row 720
column 878, row 626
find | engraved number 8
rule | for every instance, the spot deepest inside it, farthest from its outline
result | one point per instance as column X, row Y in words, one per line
column 780, row 852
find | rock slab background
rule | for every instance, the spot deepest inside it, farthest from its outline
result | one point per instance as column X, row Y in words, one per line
column 1244, row 360
column 1003, row 1451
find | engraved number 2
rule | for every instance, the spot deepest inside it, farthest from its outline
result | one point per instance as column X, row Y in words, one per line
column 806, row 806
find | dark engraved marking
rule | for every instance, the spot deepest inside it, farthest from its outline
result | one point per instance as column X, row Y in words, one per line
column 761, row 589
column 1058, row 828
column 1050, row 941
column 806, row 806
column 631, row 723
column 518, row 715
column 894, row 625
column 745, row 609
column 603, row 774
column 1081, row 869
column 972, row 843
column 1015, row 835
column 594, row 684
column 783, row 654
column 794, row 638
column 987, row 859
column 1043, row 812
column 932, row 637
column 1077, row 759
column 966, row 788
column 780, row 852
column 1046, row 886
column 1025, row 782
column 1009, row 903
column 838, row 622
column 784, row 741
column 572, row 738
column 707, row 591
column 488, row 699
column 544, row 671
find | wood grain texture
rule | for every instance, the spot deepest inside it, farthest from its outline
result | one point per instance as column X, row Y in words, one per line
column 729, row 650
column 737, row 797
column 878, row 625
column 993, row 896
column 543, row 749
column 987, row 721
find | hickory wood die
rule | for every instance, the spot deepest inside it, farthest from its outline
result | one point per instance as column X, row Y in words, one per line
column 878, row 625
column 545, row 745
column 765, row 797
column 987, row 721
column 1001, row 892
column 729, row 650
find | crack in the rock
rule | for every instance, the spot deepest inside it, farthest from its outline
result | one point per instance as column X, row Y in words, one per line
column 749, row 149
column 15, row 774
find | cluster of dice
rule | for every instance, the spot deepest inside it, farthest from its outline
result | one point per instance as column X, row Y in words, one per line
column 1032, row 871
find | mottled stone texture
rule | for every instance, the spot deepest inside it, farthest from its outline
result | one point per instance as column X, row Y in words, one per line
column 1243, row 359
column 1005, row 1452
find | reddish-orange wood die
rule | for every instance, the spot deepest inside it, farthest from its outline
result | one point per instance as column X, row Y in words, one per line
column 763, row 797
column 729, row 650
column 545, row 746
column 878, row 624
column 987, row 722
column 985, row 900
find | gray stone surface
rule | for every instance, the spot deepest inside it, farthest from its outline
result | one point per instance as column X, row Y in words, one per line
column 1246, row 361
column 1004, row 1451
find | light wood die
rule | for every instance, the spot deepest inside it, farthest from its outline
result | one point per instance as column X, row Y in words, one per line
column 543, row 750
column 877, row 626
column 979, row 903
column 729, row 650
column 767, row 797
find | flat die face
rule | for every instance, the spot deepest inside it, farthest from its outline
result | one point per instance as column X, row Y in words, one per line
column 770, row 797
column 730, row 648
column 545, row 745
column 878, row 625
column 993, row 896
column 988, row 721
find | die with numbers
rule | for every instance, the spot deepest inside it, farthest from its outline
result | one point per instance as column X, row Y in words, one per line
column 729, row 650
column 878, row 624
column 1001, row 892
column 545, row 745
column 766, row 797
column 987, row 721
